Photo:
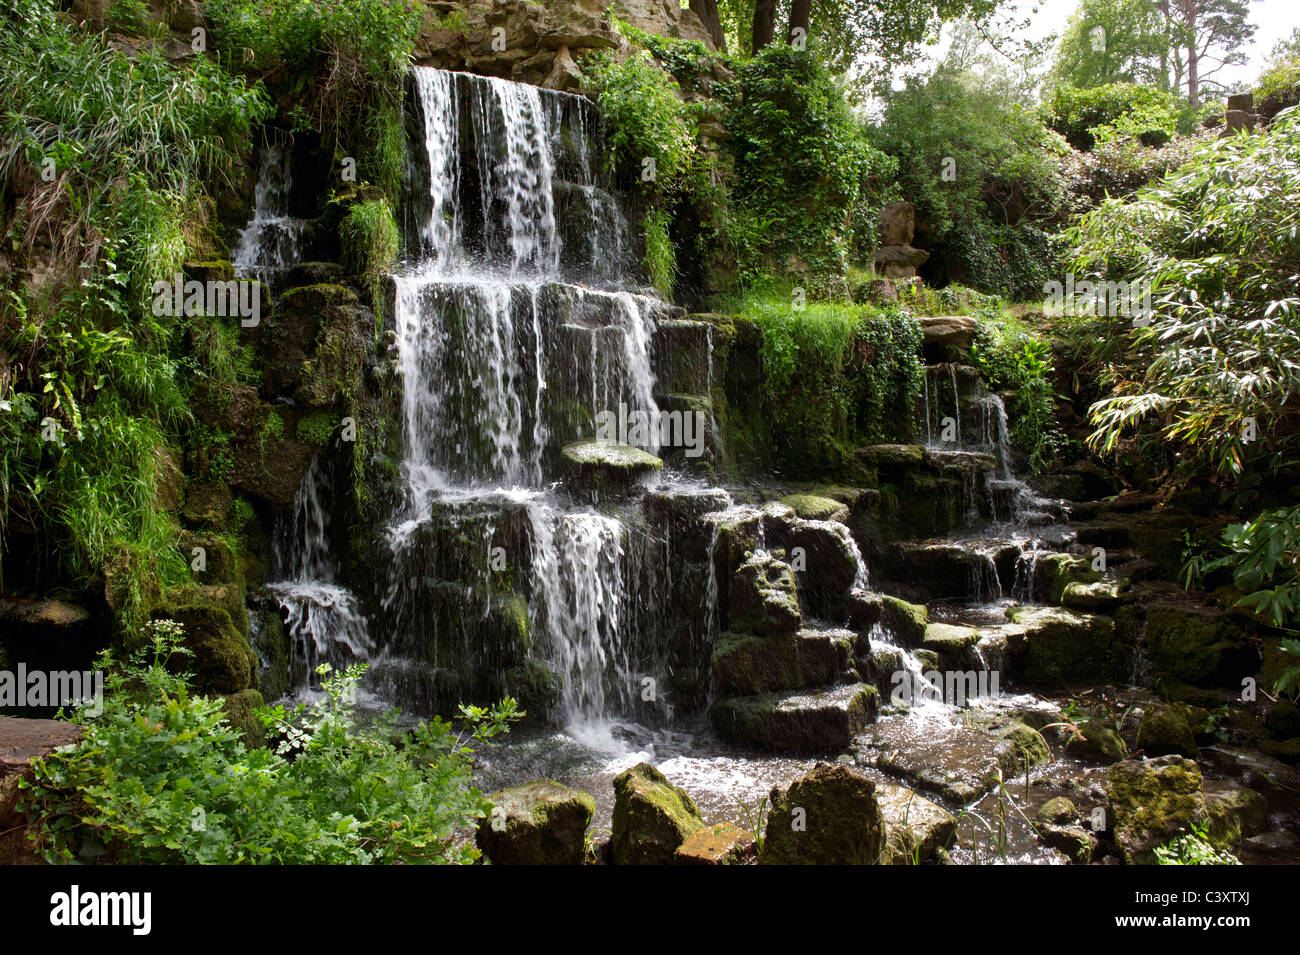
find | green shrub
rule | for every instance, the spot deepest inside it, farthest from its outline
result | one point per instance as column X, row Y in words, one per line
column 1088, row 116
column 1212, row 377
column 660, row 253
column 370, row 241
column 965, row 153
column 1018, row 364
column 160, row 776
column 645, row 117
column 804, row 166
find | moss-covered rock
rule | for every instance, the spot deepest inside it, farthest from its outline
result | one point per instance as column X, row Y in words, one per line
column 812, row 507
column 538, row 823
column 1058, row 811
column 607, row 465
column 208, row 505
column 907, row 622
column 746, row 664
column 1028, row 743
column 763, row 598
column 819, row 722
column 1075, row 841
column 1152, row 801
column 915, row 828
column 1098, row 742
column 1166, row 729
column 953, row 645
column 723, row 844
column 1199, row 645
column 829, row 816
column 652, row 817
column 1059, row 648
column 1099, row 596
column 1235, row 812
column 239, row 713
column 223, row 661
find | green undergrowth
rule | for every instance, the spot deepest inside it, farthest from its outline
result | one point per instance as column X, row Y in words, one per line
column 161, row 776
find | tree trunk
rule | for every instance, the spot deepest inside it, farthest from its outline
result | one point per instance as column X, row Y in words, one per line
column 1193, row 59
column 764, row 23
column 707, row 11
column 800, row 15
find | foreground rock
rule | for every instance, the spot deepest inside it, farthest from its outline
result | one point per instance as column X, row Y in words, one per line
column 22, row 741
column 957, row 763
column 539, row 823
column 652, row 818
column 915, row 828
column 723, row 844
column 830, row 816
column 1153, row 800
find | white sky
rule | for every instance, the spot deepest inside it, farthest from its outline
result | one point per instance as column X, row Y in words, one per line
column 1275, row 19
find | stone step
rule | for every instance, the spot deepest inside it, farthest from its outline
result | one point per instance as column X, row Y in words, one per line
column 820, row 721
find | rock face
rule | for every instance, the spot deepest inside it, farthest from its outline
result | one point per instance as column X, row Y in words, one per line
column 1058, row 648
column 1153, row 800
column 830, row 816
column 652, row 818
column 955, row 330
column 896, row 258
column 763, row 597
column 539, row 823
column 21, row 741
column 537, row 43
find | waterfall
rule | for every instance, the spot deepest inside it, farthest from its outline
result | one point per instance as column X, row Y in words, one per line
column 517, row 323
column 324, row 621
column 270, row 241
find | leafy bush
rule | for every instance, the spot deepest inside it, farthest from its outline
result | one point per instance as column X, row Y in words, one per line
column 1215, row 373
column 965, row 155
column 1264, row 558
column 645, row 117
column 803, row 164
column 1018, row 364
column 1011, row 261
column 660, row 253
column 1102, row 113
column 370, row 241
column 160, row 776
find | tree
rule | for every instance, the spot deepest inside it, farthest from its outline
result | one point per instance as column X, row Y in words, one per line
column 1113, row 41
column 707, row 11
column 1211, row 33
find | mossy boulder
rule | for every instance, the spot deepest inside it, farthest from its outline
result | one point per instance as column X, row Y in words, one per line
column 1076, row 842
column 763, row 598
column 829, row 816
column 1058, row 811
column 953, row 645
column 1099, row 596
column 1165, row 729
column 1098, row 742
column 1029, row 745
column 1236, row 813
column 1200, row 645
column 1058, row 648
column 812, row 507
column 537, row 823
column 906, row 622
column 1152, row 801
column 814, row 722
column 915, row 828
column 723, row 844
column 208, row 505
column 607, row 465
column 239, row 713
column 223, row 661
column 1052, row 573
column 652, row 817
column 745, row 664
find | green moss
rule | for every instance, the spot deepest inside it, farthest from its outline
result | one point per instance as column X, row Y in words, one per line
column 317, row 428
column 239, row 713
column 906, row 621
column 537, row 823
column 1153, row 801
column 744, row 664
column 652, row 817
column 813, row 508
column 1165, row 729
column 1029, row 745
column 842, row 822
column 1098, row 742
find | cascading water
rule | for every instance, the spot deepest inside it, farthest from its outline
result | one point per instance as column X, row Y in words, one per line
column 324, row 621
column 511, row 339
column 270, row 241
